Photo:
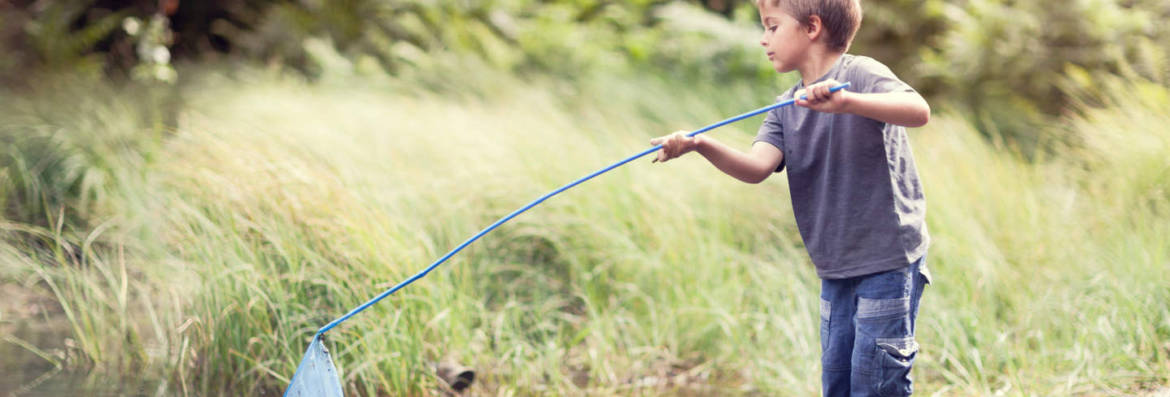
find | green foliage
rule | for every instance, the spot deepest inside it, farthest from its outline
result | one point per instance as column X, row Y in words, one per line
column 84, row 37
column 1006, row 61
column 1006, row 64
column 564, row 38
column 48, row 37
column 897, row 32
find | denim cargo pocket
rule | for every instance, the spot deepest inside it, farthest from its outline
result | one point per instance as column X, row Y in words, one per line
column 894, row 359
column 925, row 272
column 884, row 326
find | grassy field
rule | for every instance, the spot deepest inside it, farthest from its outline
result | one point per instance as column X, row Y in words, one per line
column 204, row 251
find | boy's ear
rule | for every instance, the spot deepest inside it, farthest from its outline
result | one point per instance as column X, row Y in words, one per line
column 814, row 27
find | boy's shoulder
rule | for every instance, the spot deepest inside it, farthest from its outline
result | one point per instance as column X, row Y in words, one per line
column 861, row 61
column 862, row 72
column 864, row 64
column 869, row 75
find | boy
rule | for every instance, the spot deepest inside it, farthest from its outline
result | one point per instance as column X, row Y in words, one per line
column 855, row 190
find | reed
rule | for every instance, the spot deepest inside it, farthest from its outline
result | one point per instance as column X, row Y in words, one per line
column 275, row 205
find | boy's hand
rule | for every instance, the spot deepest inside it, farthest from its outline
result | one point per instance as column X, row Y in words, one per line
column 674, row 145
column 821, row 100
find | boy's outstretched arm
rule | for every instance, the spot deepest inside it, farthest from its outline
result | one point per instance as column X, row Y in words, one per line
column 906, row 109
column 753, row 167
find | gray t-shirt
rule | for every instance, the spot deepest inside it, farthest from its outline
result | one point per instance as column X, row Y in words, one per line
column 855, row 191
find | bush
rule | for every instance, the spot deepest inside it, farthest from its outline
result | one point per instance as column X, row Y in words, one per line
column 1007, row 64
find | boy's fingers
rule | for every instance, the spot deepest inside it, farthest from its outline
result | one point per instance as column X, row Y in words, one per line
column 664, row 153
column 658, row 155
column 671, row 146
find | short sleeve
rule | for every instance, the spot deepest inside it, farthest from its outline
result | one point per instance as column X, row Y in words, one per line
column 772, row 132
column 870, row 76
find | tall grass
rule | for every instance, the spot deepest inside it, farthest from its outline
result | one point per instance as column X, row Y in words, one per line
column 275, row 206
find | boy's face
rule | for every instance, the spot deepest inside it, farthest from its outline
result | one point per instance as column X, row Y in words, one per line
column 785, row 40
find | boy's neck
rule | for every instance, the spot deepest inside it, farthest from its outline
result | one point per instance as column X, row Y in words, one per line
column 819, row 61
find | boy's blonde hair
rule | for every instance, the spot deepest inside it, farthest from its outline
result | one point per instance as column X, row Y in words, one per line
column 839, row 18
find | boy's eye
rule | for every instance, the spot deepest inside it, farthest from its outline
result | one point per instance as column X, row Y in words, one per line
column 772, row 28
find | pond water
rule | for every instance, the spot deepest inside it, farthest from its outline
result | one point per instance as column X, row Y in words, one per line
column 35, row 354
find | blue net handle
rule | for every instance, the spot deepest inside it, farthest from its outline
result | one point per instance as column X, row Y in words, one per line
column 508, row 217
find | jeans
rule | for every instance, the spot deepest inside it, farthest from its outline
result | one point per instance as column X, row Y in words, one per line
column 867, row 332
